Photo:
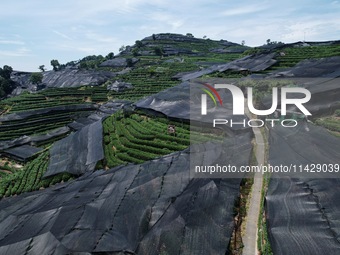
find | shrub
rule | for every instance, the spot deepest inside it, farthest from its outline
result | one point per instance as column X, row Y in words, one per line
column 337, row 113
column 36, row 78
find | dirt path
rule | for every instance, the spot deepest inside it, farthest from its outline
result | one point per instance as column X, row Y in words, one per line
column 250, row 235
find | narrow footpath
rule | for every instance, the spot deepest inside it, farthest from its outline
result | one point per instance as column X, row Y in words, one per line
column 251, row 222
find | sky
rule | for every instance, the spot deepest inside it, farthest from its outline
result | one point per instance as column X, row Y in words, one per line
column 36, row 31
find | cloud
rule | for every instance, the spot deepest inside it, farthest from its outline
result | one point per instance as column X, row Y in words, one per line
column 13, row 42
column 101, row 38
column 312, row 30
column 86, row 42
column 62, row 35
column 20, row 52
column 166, row 20
column 69, row 30
column 242, row 10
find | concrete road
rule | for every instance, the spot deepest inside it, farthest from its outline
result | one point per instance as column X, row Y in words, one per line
column 250, row 235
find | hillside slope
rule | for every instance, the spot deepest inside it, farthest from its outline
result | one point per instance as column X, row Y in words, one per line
column 88, row 155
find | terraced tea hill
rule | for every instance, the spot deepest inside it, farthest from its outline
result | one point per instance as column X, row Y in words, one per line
column 139, row 138
column 29, row 178
column 293, row 55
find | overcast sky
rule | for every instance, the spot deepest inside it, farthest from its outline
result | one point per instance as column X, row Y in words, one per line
column 34, row 32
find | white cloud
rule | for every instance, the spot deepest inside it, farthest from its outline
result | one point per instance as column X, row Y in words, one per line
column 62, row 35
column 167, row 21
column 101, row 38
column 69, row 30
column 312, row 29
column 242, row 10
column 20, row 52
column 13, row 42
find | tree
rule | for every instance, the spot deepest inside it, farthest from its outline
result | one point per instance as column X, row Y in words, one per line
column 159, row 51
column 6, row 84
column 122, row 48
column 205, row 37
column 110, row 55
column 135, row 52
column 42, row 68
column 6, row 71
column 36, row 78
column 83, row 65
column 139, row 44
column 154, row 37
column 189, row 35
column 129, row 62
column 2, row 85
column 268, row 41
column 55, row 64
column 243, row 42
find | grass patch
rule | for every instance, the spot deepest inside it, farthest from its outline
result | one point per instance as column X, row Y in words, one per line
column 332, row 123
